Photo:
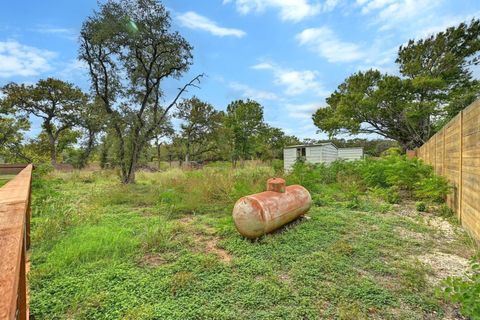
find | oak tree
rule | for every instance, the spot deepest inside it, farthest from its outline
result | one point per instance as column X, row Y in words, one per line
column 130, row 52
column 436, row 82
column 199, row 130
column 57, row 103
column 245, row 120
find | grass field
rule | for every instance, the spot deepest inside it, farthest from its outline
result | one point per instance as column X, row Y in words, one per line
column 166, row 248
column 4, row 178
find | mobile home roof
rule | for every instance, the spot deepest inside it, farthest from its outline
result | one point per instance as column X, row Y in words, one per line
column 310, row 145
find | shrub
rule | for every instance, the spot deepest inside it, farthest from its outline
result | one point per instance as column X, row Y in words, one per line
column 421, row 206
column 394, row 151
column 277, row 165
column 445, row 211
column 465, row 291
column 433, row 188
column 393, row 174
column 390, row 195
column 41, row 170
column 395, row 171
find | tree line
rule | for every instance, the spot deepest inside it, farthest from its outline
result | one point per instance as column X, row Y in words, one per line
column 130, row 51
column 125, row 119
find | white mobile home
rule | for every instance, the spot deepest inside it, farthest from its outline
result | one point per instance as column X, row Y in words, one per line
column 318, row 153
column 350, row 153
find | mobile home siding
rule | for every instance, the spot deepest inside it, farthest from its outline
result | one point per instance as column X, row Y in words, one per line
column 314, row 154
column 320, row 153
column 350, row 153
column 289, row 158
column 329, row 153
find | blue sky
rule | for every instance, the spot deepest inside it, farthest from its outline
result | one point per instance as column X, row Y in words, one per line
column 287, row 54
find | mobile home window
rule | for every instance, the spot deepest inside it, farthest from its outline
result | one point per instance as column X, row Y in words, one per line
column 301, row 153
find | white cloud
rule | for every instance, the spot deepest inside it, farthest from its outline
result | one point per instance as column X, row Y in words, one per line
column 401, row 14
column 193, row 20
column 57, row 31
column 432, row 26
column 325, row 42
column 370, row 5
column 252, row 93
column 329, row 5
column 17, row 59
column 74, row 70
column 290, row 10
column 296, row 82
column 302, row 111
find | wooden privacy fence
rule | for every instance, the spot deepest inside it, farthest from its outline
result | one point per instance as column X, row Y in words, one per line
column 14, row 241
column 454, row 152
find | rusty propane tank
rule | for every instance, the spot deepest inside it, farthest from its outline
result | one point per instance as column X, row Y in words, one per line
column 261, row 213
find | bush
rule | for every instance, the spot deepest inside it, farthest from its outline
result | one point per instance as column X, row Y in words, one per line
column 433, row 188
column 465, row 291
column 445, row 211
column 277, row 165
column 395, row 171
column 421, row 206
column 389, row 177
column 41, row 170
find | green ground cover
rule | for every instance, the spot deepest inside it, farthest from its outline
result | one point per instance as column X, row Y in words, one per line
column 5, row 178
column 166, row 248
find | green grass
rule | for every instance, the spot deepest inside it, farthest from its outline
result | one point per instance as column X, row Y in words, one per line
column 5, row 178
column 155, row 250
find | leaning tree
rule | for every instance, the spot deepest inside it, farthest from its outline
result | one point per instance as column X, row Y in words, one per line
column 130, row 52
column 436, row 82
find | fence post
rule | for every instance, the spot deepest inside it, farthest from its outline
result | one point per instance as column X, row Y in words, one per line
column 443, row 153
column 22, row 286
column 460, row 178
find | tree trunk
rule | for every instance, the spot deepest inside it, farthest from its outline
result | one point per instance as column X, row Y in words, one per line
column 187, row 153
column 86, row 152
column 158, row 155
column 53, row 148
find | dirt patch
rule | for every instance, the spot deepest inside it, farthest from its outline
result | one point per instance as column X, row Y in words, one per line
column 223, row 255
column 209, row 244
column 406, row 209
column 152, row 260
column 444, row 265
column 205, row 239
column 284, row 277
column 447, row 231
column 406, row 234
column 186, row 220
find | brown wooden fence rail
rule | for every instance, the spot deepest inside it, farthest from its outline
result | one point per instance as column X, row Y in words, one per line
column 454, row 152
column 14, row 241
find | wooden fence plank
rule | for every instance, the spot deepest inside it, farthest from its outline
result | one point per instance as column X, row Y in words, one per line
column 454, row 152
column 14, row 204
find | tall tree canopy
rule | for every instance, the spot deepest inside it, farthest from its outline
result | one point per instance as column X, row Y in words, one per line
column 436, row 83
column 56, row 102
column 13, row 124
column 200, row 127
column 130, row 51
column 245, row 120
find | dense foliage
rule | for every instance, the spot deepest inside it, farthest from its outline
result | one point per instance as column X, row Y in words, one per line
column 465, row 291
column 57, row 103
column 166, row 248
column 436, row 82
column 392, row 177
